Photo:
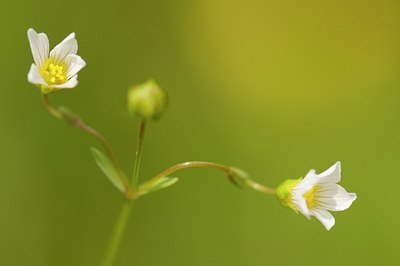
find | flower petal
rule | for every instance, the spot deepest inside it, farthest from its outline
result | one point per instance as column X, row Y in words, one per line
column 75, row 64
column 34, row 76
column 70, row 84
column 300, row 204
column 68, row 46
column 333, row 197
column 305, row 185
column 39, row 44
column 332, row 175
column 325, row 217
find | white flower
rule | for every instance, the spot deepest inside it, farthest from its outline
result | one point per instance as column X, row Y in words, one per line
column 58, row 68
column 317, row 194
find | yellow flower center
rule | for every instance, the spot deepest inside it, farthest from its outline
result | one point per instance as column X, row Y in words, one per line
column 54, row 72
column 310, row 197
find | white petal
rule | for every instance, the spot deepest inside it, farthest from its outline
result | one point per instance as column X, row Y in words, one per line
column 75, row 64
column 39, row 45
column 68, row 46
column 70, row 84
column 325, row 217
column 301, row 205
column 332, row 175
column 334, row 197
column 34, row 76
column 305, row 185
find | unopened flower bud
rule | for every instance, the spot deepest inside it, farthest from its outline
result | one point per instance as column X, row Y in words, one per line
column 147, row 100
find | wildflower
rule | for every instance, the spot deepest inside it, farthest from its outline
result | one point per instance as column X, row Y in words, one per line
column 57, row 69
column 316, row 195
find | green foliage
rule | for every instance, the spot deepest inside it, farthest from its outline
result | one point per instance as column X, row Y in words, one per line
column 150, row 186
column 107, row 168
column 68, row 115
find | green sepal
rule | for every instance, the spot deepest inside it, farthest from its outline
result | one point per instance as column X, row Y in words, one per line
column 284, row 192
column 150, row 187
column 107, row 168
column 47, row 90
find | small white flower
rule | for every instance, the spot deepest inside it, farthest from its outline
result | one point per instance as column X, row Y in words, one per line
column 317, row 194
column 58, row 68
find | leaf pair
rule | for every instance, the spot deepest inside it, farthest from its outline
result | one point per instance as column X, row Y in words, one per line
column 108, row 168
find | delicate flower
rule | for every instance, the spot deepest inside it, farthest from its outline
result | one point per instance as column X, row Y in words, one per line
column 317, row 194
column 57, row 69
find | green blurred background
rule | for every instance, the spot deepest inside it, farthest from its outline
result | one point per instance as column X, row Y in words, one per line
column 273, row 87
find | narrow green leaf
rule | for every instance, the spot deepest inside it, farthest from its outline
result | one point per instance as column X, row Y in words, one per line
column 107, row 168
column 69, row 115
column 161, row 183
column 238, row 177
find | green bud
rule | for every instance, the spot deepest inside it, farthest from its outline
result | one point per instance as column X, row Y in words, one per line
column 147, row 100
column 284, row 192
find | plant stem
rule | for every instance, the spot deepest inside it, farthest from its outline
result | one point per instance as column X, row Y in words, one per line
column 230, row 171
column 50, row 108
column 123, row 217
column 138, row 156
column 117, row 235
column 184, row 165
column 79, row 123
column 261, row 188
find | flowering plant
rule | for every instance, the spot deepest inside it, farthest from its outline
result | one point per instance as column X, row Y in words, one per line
column 58, row 69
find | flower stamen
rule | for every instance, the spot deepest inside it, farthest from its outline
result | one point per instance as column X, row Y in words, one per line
column 310, row 197
column 54, row 72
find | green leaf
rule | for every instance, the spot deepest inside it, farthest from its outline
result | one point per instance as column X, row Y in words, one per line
column 238, row 177
column 107, row 168
column 68, row 115
column 150, row 187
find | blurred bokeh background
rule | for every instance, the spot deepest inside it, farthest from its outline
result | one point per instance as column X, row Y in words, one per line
column 273, row 87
